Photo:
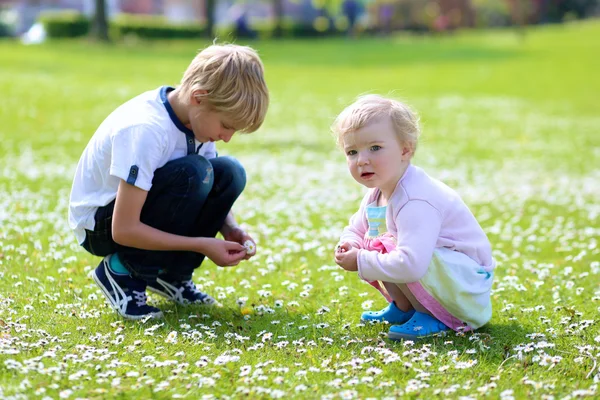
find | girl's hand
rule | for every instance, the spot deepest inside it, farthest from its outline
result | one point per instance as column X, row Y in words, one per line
column 346, row 257
column 342, row 247
column 240, row 236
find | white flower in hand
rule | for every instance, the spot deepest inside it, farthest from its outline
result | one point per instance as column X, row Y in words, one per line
column 250, row 247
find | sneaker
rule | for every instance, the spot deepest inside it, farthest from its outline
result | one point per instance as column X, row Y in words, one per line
column 391, row 314
column 182, row 292
column 420, row 326
column 125, row 294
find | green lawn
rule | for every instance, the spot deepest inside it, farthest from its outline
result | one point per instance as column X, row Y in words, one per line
column 512, row 123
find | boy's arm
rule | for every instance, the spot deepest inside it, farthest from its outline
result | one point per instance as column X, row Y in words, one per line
column 233, row 232
column 419, row 226
column 128, row 230
column 229, row 225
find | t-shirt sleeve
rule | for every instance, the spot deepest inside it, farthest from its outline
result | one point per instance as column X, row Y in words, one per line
column 136, row 153
column 210, row 151
column 419, row 226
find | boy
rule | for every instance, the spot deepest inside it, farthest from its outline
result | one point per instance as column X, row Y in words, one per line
column 150, row 194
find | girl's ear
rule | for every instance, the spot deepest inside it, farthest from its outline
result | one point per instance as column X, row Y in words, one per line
column 407, row 152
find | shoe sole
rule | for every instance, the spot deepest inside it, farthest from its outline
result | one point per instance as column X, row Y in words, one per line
column 163, row 294
column 382, row 320
column 169, row 297
column 109, row 300
column 407, row 336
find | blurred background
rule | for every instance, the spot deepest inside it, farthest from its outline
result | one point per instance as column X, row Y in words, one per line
column 34, row 20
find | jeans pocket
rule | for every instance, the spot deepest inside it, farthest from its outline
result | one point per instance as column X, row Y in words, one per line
column 99, row 242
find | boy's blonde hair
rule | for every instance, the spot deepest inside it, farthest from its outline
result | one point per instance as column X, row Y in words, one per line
column 371, row 107
column 233, row 76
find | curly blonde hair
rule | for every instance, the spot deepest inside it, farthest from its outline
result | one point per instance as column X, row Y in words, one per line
column 371, row 107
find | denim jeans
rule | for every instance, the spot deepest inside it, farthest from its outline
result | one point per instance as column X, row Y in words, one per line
column 190, row 196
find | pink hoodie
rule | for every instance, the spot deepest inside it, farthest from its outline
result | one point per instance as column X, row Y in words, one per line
column 422, row 214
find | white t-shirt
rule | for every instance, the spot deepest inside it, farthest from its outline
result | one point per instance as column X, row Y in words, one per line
column 144, row 133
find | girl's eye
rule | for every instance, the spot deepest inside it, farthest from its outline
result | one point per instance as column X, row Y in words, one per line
column 375, row 148
column 225, row 126
column 351, row 152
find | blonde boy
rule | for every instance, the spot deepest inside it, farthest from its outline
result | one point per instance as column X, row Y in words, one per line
column 150, row 193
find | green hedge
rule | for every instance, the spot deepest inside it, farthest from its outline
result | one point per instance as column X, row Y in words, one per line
column 73, row 24
column 65, row 24
column 153, row 27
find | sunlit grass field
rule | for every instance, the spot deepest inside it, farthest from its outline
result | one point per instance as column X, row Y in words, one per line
column 511, row 122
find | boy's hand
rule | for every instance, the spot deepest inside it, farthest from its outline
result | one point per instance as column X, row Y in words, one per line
column 346, row 256
column 225, row 253
column 240, row 236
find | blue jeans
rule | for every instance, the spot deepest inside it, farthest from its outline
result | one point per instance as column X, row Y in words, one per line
column 190, row 196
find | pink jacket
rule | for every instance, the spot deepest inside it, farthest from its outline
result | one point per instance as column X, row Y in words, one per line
column 422, row 214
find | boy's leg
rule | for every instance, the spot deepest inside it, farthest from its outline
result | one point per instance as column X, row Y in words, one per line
column 229, row 182
column 179, row 191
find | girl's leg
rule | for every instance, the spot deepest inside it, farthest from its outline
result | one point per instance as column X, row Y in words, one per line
column 398, row 311
column 421, row 324
column 411, row 298
column 402, row 302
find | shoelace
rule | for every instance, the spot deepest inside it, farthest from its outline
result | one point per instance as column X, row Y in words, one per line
column 204, row 298
column 140, row 298
column 191, row 287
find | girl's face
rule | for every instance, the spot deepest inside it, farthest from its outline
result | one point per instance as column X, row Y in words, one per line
column 375, row 156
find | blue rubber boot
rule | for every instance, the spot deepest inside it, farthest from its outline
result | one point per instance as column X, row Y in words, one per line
column 391, row 314
column 418, row 327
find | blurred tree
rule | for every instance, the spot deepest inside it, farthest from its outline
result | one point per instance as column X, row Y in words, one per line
column 458, row 12
column 99, row 29
column 520, row 10
column 278, row 12
column 331, row 7
column 209, row 15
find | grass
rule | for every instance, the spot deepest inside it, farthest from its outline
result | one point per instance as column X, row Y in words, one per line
column 510, row 122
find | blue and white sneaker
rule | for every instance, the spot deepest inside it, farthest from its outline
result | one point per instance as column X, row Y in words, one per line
column 125, row 294
column 181, row 292
column 420, row 326
column 391, row 314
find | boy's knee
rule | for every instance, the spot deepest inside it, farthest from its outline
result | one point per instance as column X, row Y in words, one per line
column 199, row 170
column 235, row 172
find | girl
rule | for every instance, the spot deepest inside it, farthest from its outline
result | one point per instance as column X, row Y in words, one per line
column 413, row 238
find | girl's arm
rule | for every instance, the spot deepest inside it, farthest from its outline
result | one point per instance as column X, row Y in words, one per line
column 354, row 232
column 419, row 226
column 128, row 230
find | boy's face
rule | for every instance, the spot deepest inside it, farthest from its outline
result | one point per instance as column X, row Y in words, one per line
column 375, row 156
column 208, row 125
